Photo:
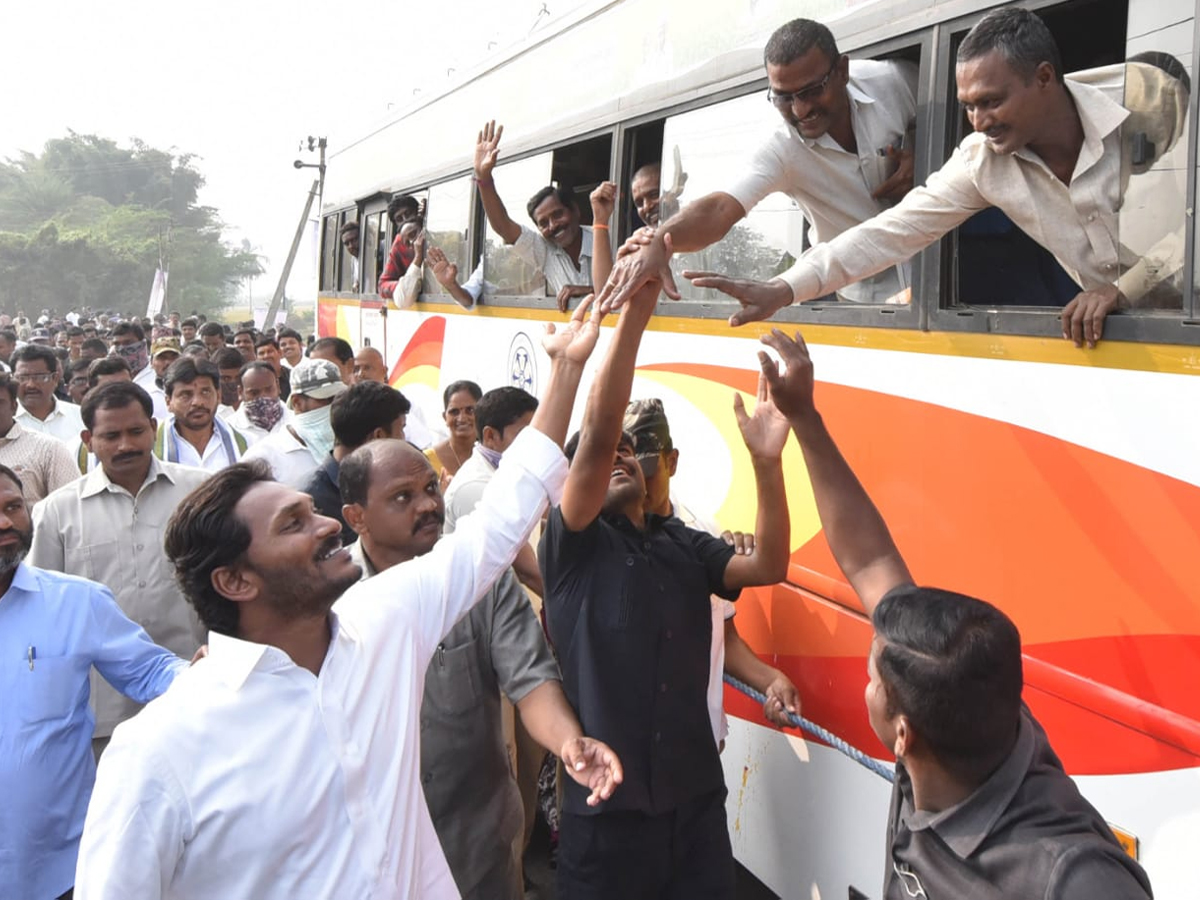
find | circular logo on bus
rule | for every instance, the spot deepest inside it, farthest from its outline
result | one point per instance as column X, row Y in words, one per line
column 522, row 367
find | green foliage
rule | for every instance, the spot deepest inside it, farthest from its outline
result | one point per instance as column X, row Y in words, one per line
column 86, row 222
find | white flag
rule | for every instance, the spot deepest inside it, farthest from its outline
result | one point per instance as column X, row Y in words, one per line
column 158, row 293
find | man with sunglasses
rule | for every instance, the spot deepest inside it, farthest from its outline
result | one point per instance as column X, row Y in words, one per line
column 843, row 153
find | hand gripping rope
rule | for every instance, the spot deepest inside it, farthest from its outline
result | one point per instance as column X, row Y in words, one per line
column 882, row 770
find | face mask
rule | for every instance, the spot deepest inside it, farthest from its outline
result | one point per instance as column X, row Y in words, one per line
column 316, row 432
column 492, row 456
column 265, row 412
column 135, row 354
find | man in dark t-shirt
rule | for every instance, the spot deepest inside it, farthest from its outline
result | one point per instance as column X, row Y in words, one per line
column 628, row 608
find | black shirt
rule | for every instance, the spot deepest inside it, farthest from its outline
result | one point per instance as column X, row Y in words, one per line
column 1025, row 832
column 630, row 617
column 323, row 487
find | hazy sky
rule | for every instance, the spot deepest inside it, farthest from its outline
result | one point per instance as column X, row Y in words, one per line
column 239, row 84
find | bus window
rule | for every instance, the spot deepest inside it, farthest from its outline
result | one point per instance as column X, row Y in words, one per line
column 348, row 266
column 716, row 148
column 506, row 272
column 581, row 167
column 374, row 246
column 643, row 149
column 447, row 218
column 1136, row 53
column 329, row 243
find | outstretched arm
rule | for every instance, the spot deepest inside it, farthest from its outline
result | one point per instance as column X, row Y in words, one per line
column 446, row 274
column 742, row 663
column 856, row 532
column 487, row 151
column 604, row 200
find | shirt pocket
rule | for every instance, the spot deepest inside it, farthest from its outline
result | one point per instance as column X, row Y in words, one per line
column 95, row 562
column 452, row 683
column 52, row 690
column 629, row 605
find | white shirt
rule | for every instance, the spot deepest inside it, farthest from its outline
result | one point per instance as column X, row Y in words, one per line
column 94, row 529
column 64, row 421
column 466, row 488
column 553, row 261
column 147, row 380
column 831, row 185
column 251, row 432
column 1076, row 222
column 213, row 459
column 250, row 777
column 290, row 461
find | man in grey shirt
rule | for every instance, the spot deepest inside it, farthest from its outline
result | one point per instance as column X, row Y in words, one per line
column 981, row 806
column 393, row 503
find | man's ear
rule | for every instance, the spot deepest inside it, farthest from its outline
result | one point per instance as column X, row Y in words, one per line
column 904, row 737
column 491, row 437
column 356, row 518
column 672, row 461
column 234, row 584
column 86, row 437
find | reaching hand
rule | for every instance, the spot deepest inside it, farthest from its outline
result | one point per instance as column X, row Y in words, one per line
column 633, row 270
column 766, row 430
column 1083, row 318
column 487, row 149
column 592, row 764
column 636, row 241
column 444, row 271
column 419, row 249
column 759, row 299
column 901, row 180
column 792, row 390
column 569, row 291
column 577, row 339
column 604, row 199
column 782, row 698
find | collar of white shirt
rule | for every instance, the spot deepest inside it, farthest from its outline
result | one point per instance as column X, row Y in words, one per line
column 97, row 481
column 235, row 659
column 1099, row 115
column 13, row 433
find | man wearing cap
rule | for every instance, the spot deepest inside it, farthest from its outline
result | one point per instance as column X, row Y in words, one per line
column 646, row 421
column 295, row 451
column 163, row 352
column 193, row 435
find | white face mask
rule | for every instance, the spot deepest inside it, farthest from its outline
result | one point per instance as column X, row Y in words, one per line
column 316, row 432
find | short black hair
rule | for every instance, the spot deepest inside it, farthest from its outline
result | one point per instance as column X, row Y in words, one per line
column 368, row 405
column 115, row 395
column 211, row 329
column 95, row 345
column 79, row 365
column 205, row 534
column 266, row 342
column 252, row 365
column 31, row 353
column 192, row 322
column 565, row 196
column 249, row 331
column 106, row 365
column 9, row 383
column 12, row 476
column 500, row 407
column 187, row 369
column 1018, row 35
column 288, row 333
column 74, row 331
column 354, row 475
column 793, row 39
column 9, row 337
column 402, row 201
column 230, row 358
column 455, row 386
column 952, row 665
column 341, row 349
column 124, row 328
column 571, row 447
column 348, row 227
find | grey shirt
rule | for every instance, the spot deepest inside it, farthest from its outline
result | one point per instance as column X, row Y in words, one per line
column 469, row 788
column 1026, row 832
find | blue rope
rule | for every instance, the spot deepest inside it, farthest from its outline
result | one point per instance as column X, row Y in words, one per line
column 882, row 770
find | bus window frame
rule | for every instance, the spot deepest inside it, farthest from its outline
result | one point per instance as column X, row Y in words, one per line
column 1144, row 327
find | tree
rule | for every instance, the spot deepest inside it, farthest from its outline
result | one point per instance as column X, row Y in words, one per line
column 87, row 222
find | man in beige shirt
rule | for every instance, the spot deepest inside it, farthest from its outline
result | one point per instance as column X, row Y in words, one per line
column 43, row 463
column 108, row 526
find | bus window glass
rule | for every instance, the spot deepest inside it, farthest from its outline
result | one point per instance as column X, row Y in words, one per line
column 329, row 244
column 374, row 248
column 709, row 149
column 507, row 273
column 1136, row 55
column 348, row 268
column 447, row 217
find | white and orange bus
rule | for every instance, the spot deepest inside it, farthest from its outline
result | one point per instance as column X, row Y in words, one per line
column 1062, row 484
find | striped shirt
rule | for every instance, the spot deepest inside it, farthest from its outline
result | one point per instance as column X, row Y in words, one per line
column 43, row 463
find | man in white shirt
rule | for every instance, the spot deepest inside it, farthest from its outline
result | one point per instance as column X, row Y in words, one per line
column 129, row 342
column 294, row 452
column 843, row 153
column 193, row 435
column 286, row 763
column 107, row 526
column 37, row 373
column 1054, row 154
column 164, row 352
column 42, row 463
column 561, row 249
column 260, row 412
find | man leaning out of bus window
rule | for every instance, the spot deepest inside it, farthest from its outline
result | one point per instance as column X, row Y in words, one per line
column 981, row 806
column 561, row 248
column 1049, row 152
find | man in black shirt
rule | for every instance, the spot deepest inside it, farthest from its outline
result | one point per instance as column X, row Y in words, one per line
column 981, row 806
column 627, row 602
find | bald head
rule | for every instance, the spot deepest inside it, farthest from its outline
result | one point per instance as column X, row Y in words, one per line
column 392, row 500
column 369, row 366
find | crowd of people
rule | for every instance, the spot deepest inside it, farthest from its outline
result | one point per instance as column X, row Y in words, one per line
column 285, row 615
